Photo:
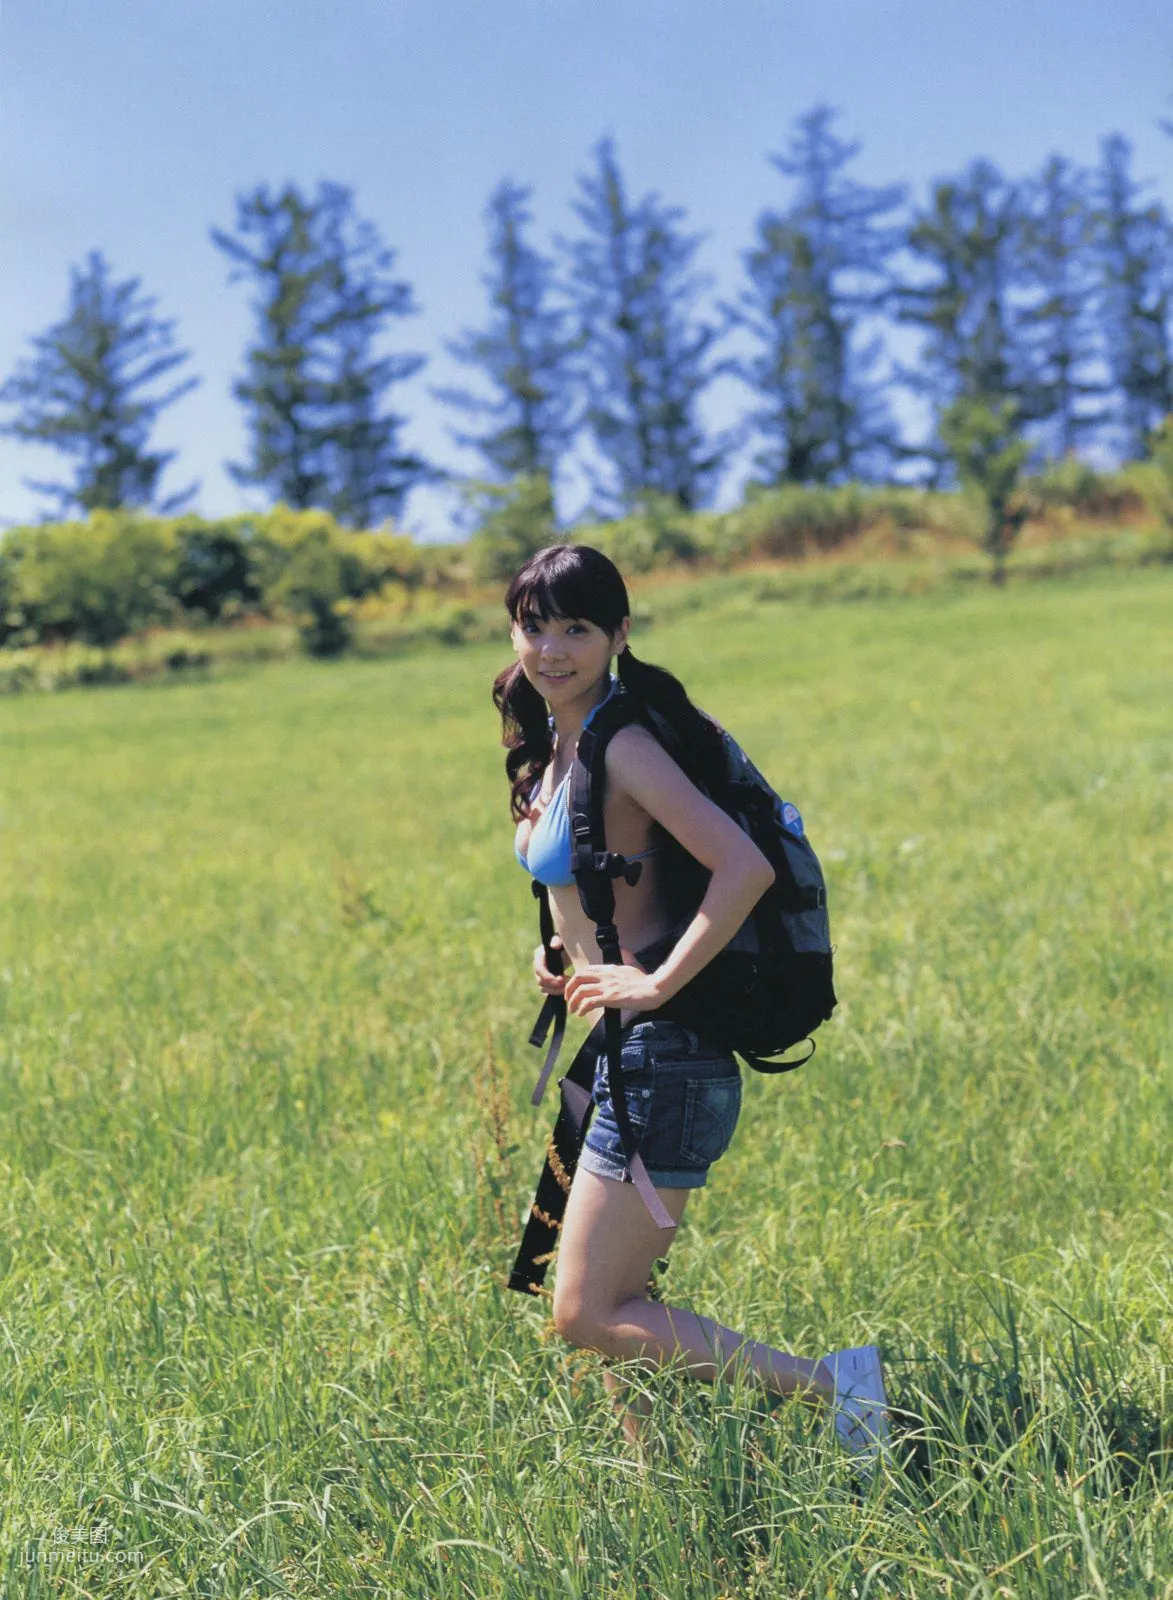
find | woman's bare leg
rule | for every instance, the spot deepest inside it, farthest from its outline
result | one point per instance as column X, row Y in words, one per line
column 607, row 1247
column 632, row 1409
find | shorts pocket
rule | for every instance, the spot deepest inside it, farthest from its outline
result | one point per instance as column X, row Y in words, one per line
column 711, row 1109
column 639, row 1076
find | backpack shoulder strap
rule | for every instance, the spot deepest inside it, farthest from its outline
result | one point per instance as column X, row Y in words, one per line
column 594, row 866
column 595, row 869
column 588, row 758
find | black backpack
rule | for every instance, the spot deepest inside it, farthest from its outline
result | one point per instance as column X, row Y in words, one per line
column 770, row 987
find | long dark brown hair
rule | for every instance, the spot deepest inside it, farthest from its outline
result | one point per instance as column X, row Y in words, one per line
column 567, row 581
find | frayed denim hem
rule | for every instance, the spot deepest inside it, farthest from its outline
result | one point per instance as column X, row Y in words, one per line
column 602, row 1168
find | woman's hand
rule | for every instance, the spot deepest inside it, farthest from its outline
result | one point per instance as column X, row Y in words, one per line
column 547, row 981
column 628, row 987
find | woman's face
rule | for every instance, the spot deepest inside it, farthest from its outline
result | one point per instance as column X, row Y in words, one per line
column 565, row 657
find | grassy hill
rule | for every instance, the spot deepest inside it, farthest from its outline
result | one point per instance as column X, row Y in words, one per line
column 267, row 1146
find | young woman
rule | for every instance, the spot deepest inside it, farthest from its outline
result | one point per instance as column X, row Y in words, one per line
column 570, row 618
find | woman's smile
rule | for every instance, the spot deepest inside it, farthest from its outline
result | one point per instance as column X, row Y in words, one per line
column 562, row 653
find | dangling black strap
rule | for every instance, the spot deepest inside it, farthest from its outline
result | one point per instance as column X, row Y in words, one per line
column 766, row 1064
column 554, row 1009
column 540, row 1236
column 539, row 1239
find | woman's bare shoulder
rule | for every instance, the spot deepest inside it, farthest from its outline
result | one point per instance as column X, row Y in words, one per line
column 634, row 753
column 639, row 764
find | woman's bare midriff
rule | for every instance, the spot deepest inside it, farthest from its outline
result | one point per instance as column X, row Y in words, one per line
column 641, row 915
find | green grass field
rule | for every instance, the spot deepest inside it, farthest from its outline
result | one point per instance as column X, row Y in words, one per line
column 266, row 1142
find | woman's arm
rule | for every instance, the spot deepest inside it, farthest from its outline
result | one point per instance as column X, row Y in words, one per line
column 638, row 764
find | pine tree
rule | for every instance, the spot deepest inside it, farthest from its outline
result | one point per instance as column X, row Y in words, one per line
column 1057, row 331
column 368, row 471
column 968, row 242
column 817, row 273
column 315, row 384
column 986, row 445
column 523, row 352
column 1134, row 250
column 645, row 356
column 86, row 392
column 276, row 245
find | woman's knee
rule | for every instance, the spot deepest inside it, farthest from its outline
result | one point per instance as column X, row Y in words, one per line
column 607, row 1249
column 577, row 1321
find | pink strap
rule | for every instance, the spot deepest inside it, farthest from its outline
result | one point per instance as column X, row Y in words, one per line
column 639, row 1176
column 558, row 1012
column 575, row 1101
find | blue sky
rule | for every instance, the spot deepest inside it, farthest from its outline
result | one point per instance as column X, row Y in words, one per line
column 129, row 125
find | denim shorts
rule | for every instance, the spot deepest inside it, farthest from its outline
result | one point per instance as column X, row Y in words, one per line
column 683, row 1098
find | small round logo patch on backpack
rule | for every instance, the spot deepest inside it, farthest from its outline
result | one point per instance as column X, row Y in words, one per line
column 791, row 819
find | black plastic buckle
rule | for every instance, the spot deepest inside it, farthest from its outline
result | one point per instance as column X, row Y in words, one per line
column 611, row 865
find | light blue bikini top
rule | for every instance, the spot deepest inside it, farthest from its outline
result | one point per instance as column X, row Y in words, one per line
column 551, row 852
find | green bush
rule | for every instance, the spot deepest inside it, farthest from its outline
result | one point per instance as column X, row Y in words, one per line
column 781, row 522
column 282, row 541
column 1153, row 478
column 312, row 571
column 656, row 534
column 307, row 569
column 988, row 450
column 10, row 616
column 793, row 520
column 95, row 581
column 117, row 573
column 514, row 521
column 214, row 570
column 1076, row 486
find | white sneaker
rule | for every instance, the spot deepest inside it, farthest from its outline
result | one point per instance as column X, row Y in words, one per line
column 861, row 1415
